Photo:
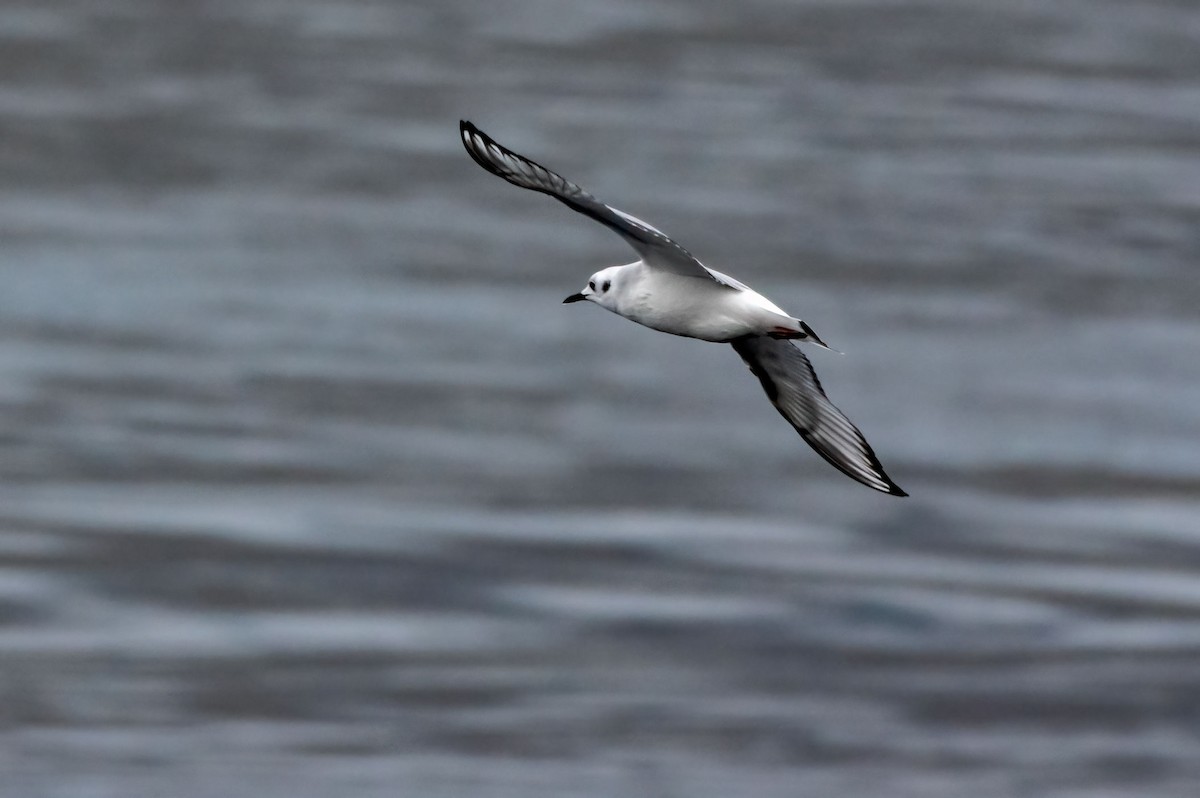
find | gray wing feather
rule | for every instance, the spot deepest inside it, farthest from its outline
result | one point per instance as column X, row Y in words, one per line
column 655, row 248
column 792, row 386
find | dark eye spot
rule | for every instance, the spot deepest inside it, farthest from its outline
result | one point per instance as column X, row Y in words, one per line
column 592, row 284
column 607, row 285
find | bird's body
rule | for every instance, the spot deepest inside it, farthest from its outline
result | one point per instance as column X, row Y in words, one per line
column 691, row 307
column 668, row 290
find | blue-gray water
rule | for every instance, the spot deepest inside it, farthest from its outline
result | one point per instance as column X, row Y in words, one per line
column 309, row 486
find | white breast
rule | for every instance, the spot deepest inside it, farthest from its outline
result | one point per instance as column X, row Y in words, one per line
column 693, row 307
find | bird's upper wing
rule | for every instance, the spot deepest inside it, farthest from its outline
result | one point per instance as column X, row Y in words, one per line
column 655, row 248
column 792, row 386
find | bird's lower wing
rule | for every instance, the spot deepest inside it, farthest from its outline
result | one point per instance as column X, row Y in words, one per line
column 656, row 249
column 792, row 386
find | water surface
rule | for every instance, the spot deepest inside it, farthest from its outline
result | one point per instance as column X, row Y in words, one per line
column 309, row 486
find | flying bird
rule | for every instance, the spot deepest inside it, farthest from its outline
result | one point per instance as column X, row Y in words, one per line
column 668, row 290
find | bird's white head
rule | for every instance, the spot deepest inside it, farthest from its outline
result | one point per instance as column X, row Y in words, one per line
column 601, row 288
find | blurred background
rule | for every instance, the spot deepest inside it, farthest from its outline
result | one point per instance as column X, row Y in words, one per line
column 309, row 486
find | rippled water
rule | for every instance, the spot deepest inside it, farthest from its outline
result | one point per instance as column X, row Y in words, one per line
column 310, row 486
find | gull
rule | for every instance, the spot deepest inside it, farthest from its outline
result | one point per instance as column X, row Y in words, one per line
column 668, row 290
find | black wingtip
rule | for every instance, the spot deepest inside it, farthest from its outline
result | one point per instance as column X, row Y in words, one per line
column 892, row 488
column 467, row 131
column 476, row 143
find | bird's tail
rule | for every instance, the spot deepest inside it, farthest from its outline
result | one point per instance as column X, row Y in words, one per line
column 802, row 333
